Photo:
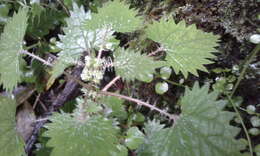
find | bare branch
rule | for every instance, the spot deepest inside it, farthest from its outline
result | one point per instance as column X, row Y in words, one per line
column 156, row 51
column 111, row 83
column 139, row 102
column 37, row 58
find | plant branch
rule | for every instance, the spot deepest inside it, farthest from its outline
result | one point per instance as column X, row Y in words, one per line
column 37, row 58
column 32, row 46
column 64, row 7
column 156, row 51
column 111, row 83
column 139, row 102
column 245, row 66
column 174, row 83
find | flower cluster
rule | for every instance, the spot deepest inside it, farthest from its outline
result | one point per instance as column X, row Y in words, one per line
column 93, row 70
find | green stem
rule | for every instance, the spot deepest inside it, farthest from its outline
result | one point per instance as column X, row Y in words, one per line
column 254, row 113
column 242, row 74
column 174, row 83
column 32, row 46
column 245, row 66
column 169, row 81
column 243, row 125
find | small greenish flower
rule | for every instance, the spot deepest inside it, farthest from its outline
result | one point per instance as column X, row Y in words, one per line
column 93, row 70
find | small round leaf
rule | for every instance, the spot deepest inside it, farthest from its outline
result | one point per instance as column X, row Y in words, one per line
column 165, row 72
column 161, row 87
column 255, row 121
column 250, row 109
column 254, row 131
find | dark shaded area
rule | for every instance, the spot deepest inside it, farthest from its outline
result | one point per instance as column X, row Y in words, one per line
column 53, row 103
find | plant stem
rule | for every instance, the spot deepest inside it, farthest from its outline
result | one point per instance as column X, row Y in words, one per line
column 243, row 125
column 254, row 113
column 242, row 74
column 32, row 46
column 174, row 83
column 156, row 51
column 139, row 102
column 245, row 66
column 111, row 83
column 64, row 7
column 37, row 58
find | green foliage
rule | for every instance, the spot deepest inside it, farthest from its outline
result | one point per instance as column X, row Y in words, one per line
column 11, row 143
column 132, row 65
column 99, row 125
column 165, row 73
column 42, row 20
column 202, row 129
column 10, row 46
column 187, row 47
column 257, row 150
column 75, row 40
column 69, row 136
column 161, row 87
column 4, row 10
column 115, row 107
column 134, row 138
column 57, row 70
column 84, row 31
column 73, row 43
column 116, row 15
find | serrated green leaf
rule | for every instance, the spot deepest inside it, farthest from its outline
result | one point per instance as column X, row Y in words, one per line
column 73, row 43
column 132, row 65
column 36, row 10
column 94, row 137
column 57, row 70
column 10, row 47
column 115, row 107
column 42, row 20
column 123, row 151
column 93, row 107
column 188, row 48
column 202, row 129
column 11, row 144
column 116, row 15
column 96, row 33
column 134, row 138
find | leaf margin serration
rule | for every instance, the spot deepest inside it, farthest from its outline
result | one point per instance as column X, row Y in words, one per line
column 11, row 44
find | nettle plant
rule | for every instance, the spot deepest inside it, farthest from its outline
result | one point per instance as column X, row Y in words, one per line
column 201, row 129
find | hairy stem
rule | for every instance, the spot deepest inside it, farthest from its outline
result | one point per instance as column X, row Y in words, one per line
column 139, row 102
column 37, row 58
column 111, row 83
column 156, row 51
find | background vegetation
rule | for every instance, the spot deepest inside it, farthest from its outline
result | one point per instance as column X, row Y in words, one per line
column 232, row 76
